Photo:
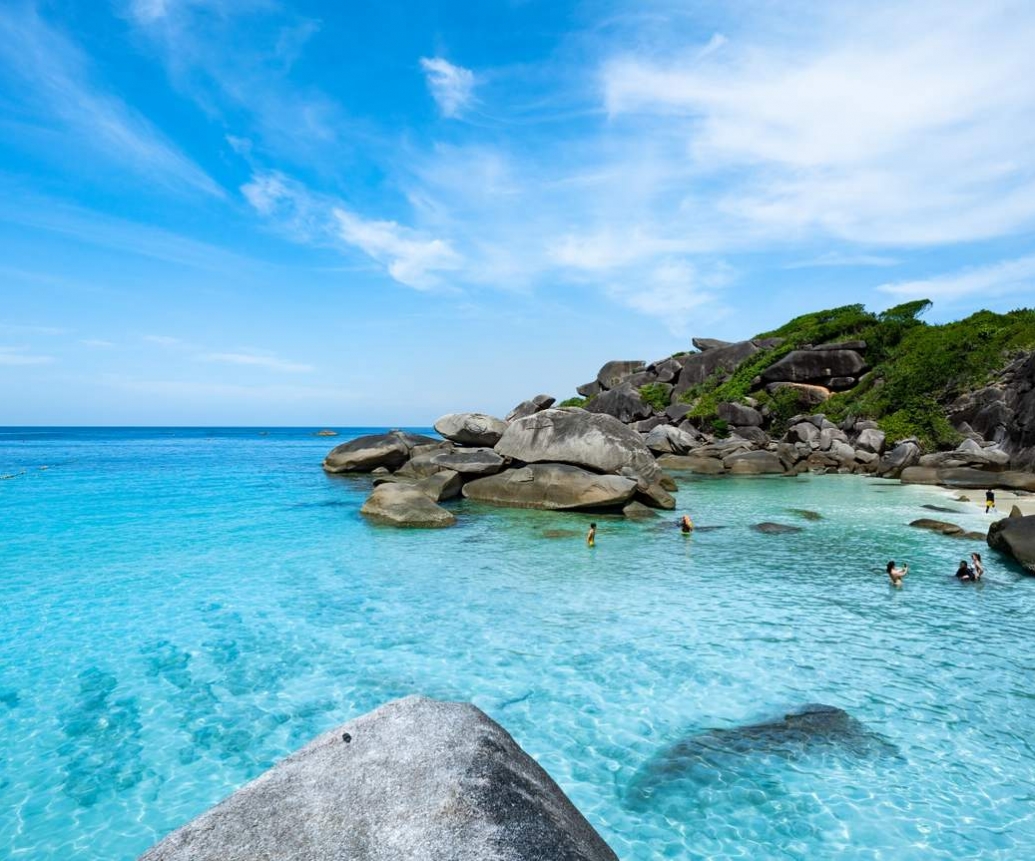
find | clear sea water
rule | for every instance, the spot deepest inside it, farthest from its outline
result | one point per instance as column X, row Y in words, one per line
column 181, row 608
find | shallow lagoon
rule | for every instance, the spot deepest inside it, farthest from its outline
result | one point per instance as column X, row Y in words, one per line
column 178, row 609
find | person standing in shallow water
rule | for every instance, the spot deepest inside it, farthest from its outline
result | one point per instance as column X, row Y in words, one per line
column 896, row 575
column 686, row 525
column 977, row 565
column 989, row 500
column 965, row 572
column 591, row 536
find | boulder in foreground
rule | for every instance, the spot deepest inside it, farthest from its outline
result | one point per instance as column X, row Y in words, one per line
column 366, row 453
column 416, row 778
column 551, row 486
column 1015, row 536
column 405, row 505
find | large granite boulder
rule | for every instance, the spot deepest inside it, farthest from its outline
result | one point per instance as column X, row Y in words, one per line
column 595, row 441
column 739, row 415
column 705, row 344
column 698, row 367
column 665, row 370
column 665, row 439
column 1015, row 536
column 366, row 453
column 415, row 779
column 469, row 461
column 871, row 439
column 806, row 366
column 471, row 428
column 401, row 504
column 442, row 485
column 692, row 463
column 905, row 454
column 623, row 402
column 530, row 407
column 754, row 463
column 551, row 486
column 612, row 373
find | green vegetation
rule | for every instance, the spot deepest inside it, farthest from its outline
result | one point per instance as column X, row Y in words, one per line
column 656, row 395
column 574, row 402
column 916, row 368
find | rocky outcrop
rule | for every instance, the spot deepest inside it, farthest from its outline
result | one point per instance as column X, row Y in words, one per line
column 902, row 456
column 553, row 487
column 399, row 504
column 366, row 453
column 623, row 402
column 698, row 367
column 471, row 428
column 964, row 477
column 530, row 407
column 666, row 439
column 598, row 442
column 1015, row 536
column 414, row 779
column 441, row 486
column 739, row 415
column 469, row 461
column 613, row 373
column 754, row 463
column 810, row 366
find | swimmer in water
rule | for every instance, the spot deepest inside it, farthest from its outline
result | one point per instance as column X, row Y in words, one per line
column 896, row 575
column 979, row 568
column 686, row 525
column 591, row 536
column 964, row 572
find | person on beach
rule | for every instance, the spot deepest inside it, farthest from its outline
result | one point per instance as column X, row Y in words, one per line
column 896, row 575
column 591, row 536
column 686, row 525
column 979, row 568
column 989, row 501
column 964, row 572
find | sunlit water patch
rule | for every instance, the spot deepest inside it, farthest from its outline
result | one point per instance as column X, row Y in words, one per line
column 179, row 609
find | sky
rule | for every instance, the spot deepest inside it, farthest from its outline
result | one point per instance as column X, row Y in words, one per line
column 277, row 212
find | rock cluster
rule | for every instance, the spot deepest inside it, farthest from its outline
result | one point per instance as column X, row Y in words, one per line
column 554, row 459
column 416, row 778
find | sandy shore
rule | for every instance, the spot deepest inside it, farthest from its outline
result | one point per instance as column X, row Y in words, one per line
column 1005, row 500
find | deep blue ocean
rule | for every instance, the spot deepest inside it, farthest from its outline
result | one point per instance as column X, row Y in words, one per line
column 179, row 608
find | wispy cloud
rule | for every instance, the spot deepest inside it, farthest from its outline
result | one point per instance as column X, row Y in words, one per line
column 53, row 81
column 22, row 356
column 259, row 360
column 451, row 86
column 18, row 328
column 98, row 343
column 162, row 340
column 998, row 279
column 836, row 259
column 677, row 292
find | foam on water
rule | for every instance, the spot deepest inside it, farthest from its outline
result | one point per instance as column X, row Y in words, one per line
column 179, row 609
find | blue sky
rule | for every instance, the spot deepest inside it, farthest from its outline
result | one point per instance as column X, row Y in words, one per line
column 331, row 213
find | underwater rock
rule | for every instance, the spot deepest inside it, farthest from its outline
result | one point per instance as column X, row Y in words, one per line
column 727, row 754
column 416, row 778
column 938, row 526
column 775, row 528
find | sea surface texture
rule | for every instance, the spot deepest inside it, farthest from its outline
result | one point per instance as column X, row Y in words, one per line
column 181, row 608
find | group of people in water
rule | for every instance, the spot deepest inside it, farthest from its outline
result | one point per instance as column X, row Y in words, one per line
column 967, row 572
column 686, row 526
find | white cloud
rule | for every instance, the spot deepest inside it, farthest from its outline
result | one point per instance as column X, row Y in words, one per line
column 677, row 292
column 54, row 82
column 162, row 340
column 21, row 356
column 259, row 360
column 1008, row 276
column 451, row 86
column 17, row 328
column 99, row 343
column 411, row 258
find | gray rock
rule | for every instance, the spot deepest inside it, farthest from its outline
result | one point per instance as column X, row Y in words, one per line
column 755, row 436
column 589, row 390
column 623, row 402
column 366, row 453
column 471, row 461
column 417, row 779
column 665, row 370
column 842, row 451
column 858, row 346
column 645, row 426
column 471, row 428
column 442, row 485
column 871, row 439
column 903, row 455
column 677, row 412
column 405, row 505
column 1015, row 536
column 805, row 432
column 698, row 367
column 656, row 496
column 691, row 463
column 666, row 439
column 769, row 528
column 829, row 435
column 754, row 463
column 551, row 486
column 612, row 373
column 920, row 475
column 595, row 441
column 937, row 526
column 840, row 384
column 739, row 415
column 805, row 366
column 638, row 511
column 705, row 344
column 723, row 448
column 530, row 407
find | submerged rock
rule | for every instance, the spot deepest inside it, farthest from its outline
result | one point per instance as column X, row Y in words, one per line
column 769, row 528
column 715, row 757
column 937, row 526
column 551, row 486
column 414, row 779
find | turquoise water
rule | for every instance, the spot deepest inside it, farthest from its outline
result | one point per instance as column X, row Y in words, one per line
column 180, row 608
